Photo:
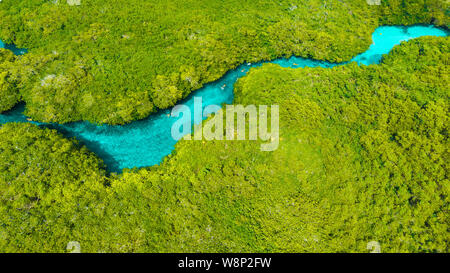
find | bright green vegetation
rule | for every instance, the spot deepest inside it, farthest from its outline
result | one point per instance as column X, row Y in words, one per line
column 46, row 185
column 119, row 60
column 9, row 95
column 363, row 157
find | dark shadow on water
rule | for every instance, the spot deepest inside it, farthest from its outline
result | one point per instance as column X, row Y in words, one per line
column 406, row 28
column 15, row 50
column 16, row 115
column 111, row 165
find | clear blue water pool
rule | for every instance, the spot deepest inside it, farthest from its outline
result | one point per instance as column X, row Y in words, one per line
column 146, row 142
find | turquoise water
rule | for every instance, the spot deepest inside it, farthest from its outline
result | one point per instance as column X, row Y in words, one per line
column 146, row 142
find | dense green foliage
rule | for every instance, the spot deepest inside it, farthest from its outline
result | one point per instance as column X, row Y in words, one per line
column 119, row 60
column 9, row 95
column 47, row 185
column 363, row 157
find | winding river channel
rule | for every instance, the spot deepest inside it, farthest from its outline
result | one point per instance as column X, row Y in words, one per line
column 146, row 142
